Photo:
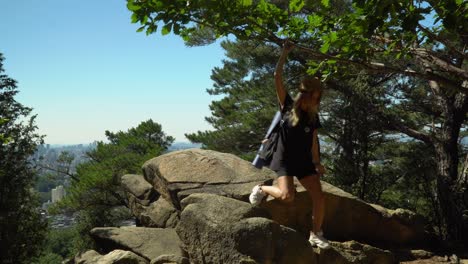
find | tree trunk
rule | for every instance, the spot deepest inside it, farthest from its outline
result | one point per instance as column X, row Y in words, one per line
column 450, row 194
column 451, row 206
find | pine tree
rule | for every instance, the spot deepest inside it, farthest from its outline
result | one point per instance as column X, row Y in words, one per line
column 95, row 194
column 368, row 157
column 21, row 225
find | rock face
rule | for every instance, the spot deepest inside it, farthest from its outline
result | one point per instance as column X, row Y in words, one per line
column 178, row 174
column 353, row 252
column 204, row 195
column 159, row 214
column 139, row 188
column 148, row 243
column 114, row 257
column 144, row 203
column 216, row 229
column 168, row 259
column 349, row 218
column 89, row 256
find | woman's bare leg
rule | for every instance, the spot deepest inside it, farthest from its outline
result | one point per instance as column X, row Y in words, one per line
column 314, row 188
column 285, row 190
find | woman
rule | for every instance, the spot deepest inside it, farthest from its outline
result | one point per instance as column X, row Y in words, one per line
column 298, row 152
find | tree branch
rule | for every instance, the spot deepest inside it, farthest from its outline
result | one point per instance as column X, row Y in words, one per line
column 394, row 124
column 59, row 171
column 442, row 41
column 377, row 67
column 429, row 57
column 399, row 126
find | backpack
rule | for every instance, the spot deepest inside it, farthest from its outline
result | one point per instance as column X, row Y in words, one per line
column 268, row 148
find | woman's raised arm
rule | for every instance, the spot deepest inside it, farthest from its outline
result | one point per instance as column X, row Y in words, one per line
column 280, row 90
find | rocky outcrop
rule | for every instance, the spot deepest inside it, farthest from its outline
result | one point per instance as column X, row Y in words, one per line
column 144, row 203
column 351, row 252
column 349, row 218
column 148, row 243
column 90, row 256
column 159, row 214
column 170, row 259
column 114, row 257
column 178, row 174
column 216, row 229
column 204, row 194
column 137, row 187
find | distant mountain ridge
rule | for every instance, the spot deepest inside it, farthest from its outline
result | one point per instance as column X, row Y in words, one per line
column 183, row 145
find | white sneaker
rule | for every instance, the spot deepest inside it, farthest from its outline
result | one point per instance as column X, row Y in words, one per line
column 257, row 195
column 318, row 240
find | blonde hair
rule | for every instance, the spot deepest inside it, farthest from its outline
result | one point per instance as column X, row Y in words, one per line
column 308, row 85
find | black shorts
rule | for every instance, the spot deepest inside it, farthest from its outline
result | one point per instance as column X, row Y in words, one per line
column 299, row 173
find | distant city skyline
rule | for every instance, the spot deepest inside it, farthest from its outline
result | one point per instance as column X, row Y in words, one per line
column 84, row 69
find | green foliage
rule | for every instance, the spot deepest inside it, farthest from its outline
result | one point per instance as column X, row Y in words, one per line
column 98, row 181
column 96, row 193
column 241, row 16
column 60, row 244
column 357, row 132
column 49, row 258
column 61, row 241
column 367, row 159
column 359, row 33
column 21, row 225
column 3, row 139
column 414, row 168
column 45, row 183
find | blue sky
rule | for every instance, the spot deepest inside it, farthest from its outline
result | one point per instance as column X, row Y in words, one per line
column 84, row 69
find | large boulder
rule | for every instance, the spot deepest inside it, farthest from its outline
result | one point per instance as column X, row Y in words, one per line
column 159, row 214
column 149, row 243
column 136, row 186
column 90, row 256
column 170, row 259
column 115, row 257
column 349, row 218
column 144, row 203
column 178, row 174
column 352, row 252
column 217, row 229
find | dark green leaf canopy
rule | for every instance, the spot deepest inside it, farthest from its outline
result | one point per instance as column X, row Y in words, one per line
column 373, row 35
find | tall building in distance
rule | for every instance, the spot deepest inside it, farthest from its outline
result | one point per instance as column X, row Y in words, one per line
column 58, row 193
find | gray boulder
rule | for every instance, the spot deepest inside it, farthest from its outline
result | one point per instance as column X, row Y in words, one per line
column 349, row 218
column 217, row 229
column 90, row 256
column 163, row 259
column 144, row 203
column 114, row 257
column 159, row 214
column 352, row 252
column 178, row 174
column 136, row 186
column 149, row 243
